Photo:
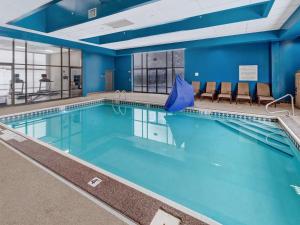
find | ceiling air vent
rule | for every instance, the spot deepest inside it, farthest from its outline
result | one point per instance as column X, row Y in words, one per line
column 92, row 13
column 119, row 23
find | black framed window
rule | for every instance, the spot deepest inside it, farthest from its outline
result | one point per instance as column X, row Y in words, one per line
column 33, row 72
column 154, row 72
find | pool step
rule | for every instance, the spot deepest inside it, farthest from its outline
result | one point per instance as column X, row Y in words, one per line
column 263, row 126
column 278, row 146
column 276, row 136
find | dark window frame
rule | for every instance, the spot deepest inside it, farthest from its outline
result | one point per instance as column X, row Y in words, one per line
column 29, row 66
column 145, row 68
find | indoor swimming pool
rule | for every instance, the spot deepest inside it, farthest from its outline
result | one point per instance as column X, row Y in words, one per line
column 234, row 171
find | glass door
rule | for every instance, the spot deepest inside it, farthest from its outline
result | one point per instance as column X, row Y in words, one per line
column 152, row 81
column 76, row 82
column 162, row 81
column 6, row 85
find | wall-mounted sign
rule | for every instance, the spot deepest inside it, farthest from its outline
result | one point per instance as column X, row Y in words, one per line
column 248, row 73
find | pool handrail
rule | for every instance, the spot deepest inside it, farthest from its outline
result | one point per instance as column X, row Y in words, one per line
column 282, row 111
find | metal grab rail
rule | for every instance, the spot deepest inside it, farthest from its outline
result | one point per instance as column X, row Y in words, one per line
column 118, row 92
column 117, row 100
column 282, row 111
column 125, row 94
column 121, row 93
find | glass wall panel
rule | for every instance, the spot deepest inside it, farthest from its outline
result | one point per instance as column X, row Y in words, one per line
column 75, row 72
column 43, row 82
column 152, row 81
column 170, row 59
column 161, row 81
column 75, row 58
column 20, row 52
column 6, row 47
column 158, row 70
column 20, row 84
column 138, row 80
column 170, row 79
column 43, row 54
column 76, row 82
column 157, row 60
column 178, row 58
column 31, row 72
column 66, row 82
column 5, row 85
column 65, row 56
column 137, row 58
column 144, row 80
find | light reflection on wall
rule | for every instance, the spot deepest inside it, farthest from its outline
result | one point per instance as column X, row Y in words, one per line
column 152, row 125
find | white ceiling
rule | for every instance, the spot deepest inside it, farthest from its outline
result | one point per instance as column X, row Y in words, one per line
column 159, row 12
column 281, row 11
column 13, row 9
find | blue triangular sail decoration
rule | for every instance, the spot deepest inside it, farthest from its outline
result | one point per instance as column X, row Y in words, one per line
column 181, row 96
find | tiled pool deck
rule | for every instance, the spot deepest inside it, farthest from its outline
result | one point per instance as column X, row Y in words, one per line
column 134, row 204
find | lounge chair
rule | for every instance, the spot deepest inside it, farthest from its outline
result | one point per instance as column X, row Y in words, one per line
column 243, row 93
column 225, row 91
column 196, row 86
column 210, row 91
column 263, row 93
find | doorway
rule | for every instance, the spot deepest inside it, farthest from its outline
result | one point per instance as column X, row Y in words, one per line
column 76, row 82
column 109, row 80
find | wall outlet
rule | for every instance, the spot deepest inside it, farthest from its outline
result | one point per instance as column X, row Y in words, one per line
column 196, row 74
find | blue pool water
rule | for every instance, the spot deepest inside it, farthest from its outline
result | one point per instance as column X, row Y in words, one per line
column 234, row 171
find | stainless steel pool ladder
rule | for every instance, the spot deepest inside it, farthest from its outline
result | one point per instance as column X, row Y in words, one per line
column 282, row 111
column 120, row 93
column 117, row 101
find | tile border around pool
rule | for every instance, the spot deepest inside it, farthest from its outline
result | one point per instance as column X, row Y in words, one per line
column 218, row 113
column 133, row 201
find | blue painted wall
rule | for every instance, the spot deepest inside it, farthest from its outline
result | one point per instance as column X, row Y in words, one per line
column 123, row 73
column 289, row 63
column 94, row 67
column 213, row 64
column 222, row 63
